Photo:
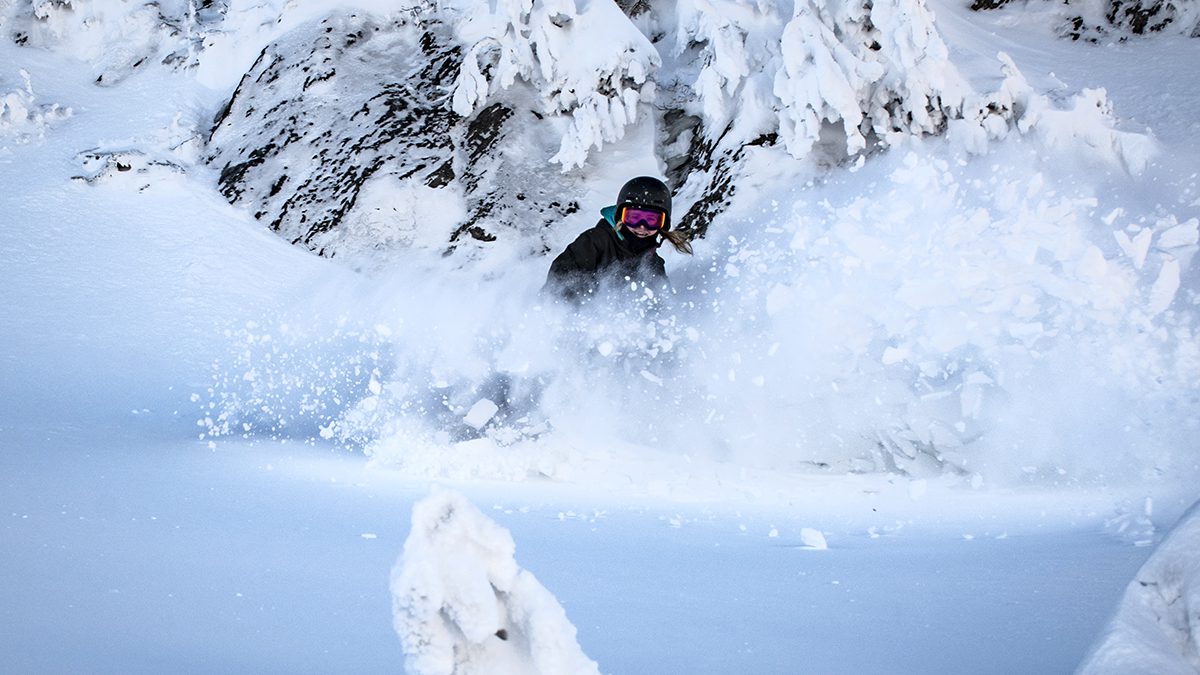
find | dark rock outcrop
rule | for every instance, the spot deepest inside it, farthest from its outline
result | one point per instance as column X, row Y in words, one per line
column 334, row 106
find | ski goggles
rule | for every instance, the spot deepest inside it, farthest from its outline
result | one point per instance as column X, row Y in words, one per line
column 644, row 219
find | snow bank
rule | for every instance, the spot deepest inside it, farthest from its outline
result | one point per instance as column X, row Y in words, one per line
column 462, row 605
column 1157, row 627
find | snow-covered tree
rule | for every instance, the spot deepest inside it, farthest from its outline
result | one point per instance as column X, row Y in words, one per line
column 541, row 42
column 462, row 606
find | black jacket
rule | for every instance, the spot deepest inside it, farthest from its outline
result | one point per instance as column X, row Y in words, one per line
column 602, row 253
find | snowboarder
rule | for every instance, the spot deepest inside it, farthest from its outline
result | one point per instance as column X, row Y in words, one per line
column 623, row 245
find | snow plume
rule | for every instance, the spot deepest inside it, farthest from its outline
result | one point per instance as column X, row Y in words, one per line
column 910, row 319
column 462, row 606
column 995, row 303
column 1157, row 626
column 22, row 118
column 537, row 41
column 286, row 381
column 993, row 318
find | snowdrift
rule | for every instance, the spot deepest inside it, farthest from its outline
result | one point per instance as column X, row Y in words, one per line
column 1157, row 624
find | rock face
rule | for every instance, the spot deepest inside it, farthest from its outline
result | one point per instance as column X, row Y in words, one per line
column 1095, row 20
column 341, row 139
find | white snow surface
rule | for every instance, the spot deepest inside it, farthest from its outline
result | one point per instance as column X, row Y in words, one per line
column 925, row 397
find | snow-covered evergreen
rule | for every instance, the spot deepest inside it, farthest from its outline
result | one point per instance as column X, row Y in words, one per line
column 463, row 606
column 600, row 90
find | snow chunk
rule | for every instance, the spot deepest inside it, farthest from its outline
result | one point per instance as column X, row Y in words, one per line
column 813, row 539
column 1133, row 526
column 480, row 413
column 460, row 603
column 1162, row 293
column 1135, row 247
column 1185, row 234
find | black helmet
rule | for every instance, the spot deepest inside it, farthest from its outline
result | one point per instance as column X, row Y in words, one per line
column 646, row 192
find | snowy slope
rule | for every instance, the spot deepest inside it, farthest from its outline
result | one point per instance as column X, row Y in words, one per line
column 966, row 366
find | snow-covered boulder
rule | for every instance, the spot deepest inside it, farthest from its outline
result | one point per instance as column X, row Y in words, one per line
column 330, row 113
column 462, row 605
column 1157, row 627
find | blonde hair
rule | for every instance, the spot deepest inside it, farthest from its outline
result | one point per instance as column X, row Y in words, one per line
column 679, row 240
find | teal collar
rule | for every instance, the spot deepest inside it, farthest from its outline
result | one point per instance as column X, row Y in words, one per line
column 610, row 215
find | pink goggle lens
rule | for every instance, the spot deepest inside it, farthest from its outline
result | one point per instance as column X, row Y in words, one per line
column 646, row 219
